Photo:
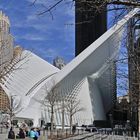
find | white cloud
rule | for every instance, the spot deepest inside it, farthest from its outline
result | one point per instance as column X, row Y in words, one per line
column 49, row 52
column 32, row 17
column 37, row 1
column 41, row 27
column 32, row 37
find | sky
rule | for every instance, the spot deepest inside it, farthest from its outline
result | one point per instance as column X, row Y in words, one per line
column 45, row 36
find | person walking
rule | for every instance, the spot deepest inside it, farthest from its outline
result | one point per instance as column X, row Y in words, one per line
column 21, row 133
column 73, row 129
column 38, row 130
column 32, row 133
column 11, row 134
column 36, row 134
column 26, row 131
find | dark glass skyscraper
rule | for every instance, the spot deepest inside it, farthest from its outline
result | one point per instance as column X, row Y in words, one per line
column 90, row 24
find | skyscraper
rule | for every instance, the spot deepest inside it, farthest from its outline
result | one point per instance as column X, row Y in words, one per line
column 6, row 54
column 59, row 62
column 90, row 24
column 6, row 41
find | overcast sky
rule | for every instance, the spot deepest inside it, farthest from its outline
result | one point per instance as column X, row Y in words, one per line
column 43, row 35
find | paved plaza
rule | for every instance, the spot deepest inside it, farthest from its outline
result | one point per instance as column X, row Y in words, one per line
column 93, row 136
column 83, row 136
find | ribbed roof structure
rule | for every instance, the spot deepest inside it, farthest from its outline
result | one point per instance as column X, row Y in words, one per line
column 31, row 72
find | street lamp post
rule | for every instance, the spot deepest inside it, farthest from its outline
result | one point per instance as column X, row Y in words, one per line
column 111, row 120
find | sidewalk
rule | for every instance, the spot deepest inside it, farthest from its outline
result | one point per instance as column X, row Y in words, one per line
column 4, row 137
column 80, row 136
column 3, row 134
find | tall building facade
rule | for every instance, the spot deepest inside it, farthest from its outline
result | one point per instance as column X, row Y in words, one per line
column 4, row 101
column 6, row 54
column 90, row 24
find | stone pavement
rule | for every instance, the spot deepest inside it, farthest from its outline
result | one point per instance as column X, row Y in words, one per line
column 3, row 133
column 3, row 136
column 97, row 136
column 82, row 136
column 85, row 136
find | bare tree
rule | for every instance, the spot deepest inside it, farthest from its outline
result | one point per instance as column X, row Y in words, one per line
column 7, row 68
column 12, row 109
column 63, row 107
column 93, row 5
column 51, row 102
column 73, row 107
column 128, row 71
column 11, row 59
column 12, row 64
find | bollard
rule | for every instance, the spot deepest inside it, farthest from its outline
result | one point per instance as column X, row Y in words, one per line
column 43, row 132
column 47, row 137
column 133, row 134
column 100, row 137
column 123, row 133
column 112, row 138
column 1, row 130
column 112, row 133
column 57, row 135
column 66, row 133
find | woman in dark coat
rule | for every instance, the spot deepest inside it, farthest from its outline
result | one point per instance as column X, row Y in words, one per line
column 21, row 133
column 11, row 134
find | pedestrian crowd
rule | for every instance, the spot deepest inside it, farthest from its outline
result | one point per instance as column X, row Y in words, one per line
column 33, row 133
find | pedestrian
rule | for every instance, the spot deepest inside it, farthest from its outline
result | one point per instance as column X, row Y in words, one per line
column 21, row 134
column 11, row 134
column 73, row 129
column 38, row 130
column 36, row 134
column 26, row 131
column 32, row 133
